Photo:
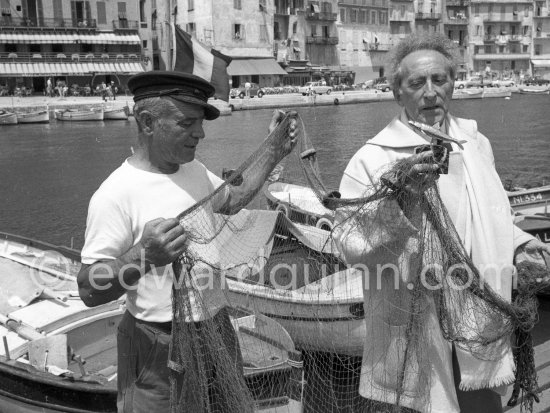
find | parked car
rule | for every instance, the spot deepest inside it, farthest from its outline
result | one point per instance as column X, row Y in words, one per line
column 365, row 85
column 255, row 90
column 504, row 83
column 382, row 84
column 474, row 81
column 536, row 81
column 315, row 88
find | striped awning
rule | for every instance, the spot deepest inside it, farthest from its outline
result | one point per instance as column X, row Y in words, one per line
column 239, row 67
column 69, row 69
column 66, row 38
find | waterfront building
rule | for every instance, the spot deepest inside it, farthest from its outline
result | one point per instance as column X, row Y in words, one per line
column 74, row 43
column 541, row 39
column 455, row 17
column 401, row 19
column 427, row 16
column 500, row 34
column 241, row 29
column 364, row 37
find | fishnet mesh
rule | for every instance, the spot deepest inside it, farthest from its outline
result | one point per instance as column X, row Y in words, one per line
column 243, row 271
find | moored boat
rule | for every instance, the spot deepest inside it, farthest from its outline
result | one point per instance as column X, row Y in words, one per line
column 468, row 94
column 534, row 90
column 41, row 116
column 496, row 93
column 60, row 356
column 7, row 118
column 299, row 204
column 79, row 115
column 531, row 201
column 120, row 113
column 537, row 225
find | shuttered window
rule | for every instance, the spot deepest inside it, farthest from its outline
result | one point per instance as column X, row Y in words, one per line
column 101, row 13
column 57, row 9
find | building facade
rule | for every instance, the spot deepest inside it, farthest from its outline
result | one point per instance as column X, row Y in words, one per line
column 455, row 18
column 427, row 16
column 73, row 42
column 500, row 37
column 540, row 60
column 364, row 37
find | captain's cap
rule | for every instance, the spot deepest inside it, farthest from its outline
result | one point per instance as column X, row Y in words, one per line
column 183, row 87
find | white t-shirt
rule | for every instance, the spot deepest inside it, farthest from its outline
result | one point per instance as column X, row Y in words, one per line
column 118, row 212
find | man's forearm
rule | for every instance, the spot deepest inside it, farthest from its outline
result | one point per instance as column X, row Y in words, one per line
column 105, row 281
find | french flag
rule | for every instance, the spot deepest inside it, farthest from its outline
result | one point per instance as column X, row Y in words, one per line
column 191, row 56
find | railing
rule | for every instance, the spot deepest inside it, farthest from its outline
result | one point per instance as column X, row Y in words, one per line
column 71, row 57
column 458, row 3
column 123, row 24
column 545, row 13
column 489, row 37
column 427, row 16
column 398, row 17
column 10, row 21
column 456, row 20
column 543, row 35
column 500, row 18
column 322, row 16
column 321, row 40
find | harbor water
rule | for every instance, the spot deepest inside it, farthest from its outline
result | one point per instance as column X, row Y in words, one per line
column 49, row 172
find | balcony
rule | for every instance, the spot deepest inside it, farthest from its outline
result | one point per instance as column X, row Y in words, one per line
column 502, row 56
column 542, row 35
column 506, row 18
column 458, row 3
column 322, row 16
column 455, row 21
column 545, row 14
column 124, row 24
column 12, row 22
column 427, row 16
column 70, row 57
column 398, row 17
column 321, row 40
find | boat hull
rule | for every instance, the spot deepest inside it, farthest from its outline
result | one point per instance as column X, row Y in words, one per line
column 34, row 117
column 79, row 115
column 116, row 114
column 8, row 119
column 534, row 91
column 531, row 201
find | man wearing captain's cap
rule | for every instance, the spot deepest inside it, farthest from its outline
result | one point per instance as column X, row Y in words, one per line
column 131, row 226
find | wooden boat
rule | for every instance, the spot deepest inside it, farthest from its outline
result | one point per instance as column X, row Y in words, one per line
column 116, row 113
column 60, row 356
column 496, row 93
column 7, row 118
column 534, row 90
column 537, row 225
column 299, row 204
column 468, row 94
column 80, row 115
column 531, row 201
column 41, row 116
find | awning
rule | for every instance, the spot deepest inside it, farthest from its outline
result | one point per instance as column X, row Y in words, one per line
column 541, row 62
column 239, row 67
column 316, row 8
column 502, row 56
column 69, row 69
column 66, row 38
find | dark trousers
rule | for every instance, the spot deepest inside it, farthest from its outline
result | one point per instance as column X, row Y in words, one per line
column 143, row 373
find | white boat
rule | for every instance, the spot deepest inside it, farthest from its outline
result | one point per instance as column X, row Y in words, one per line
column 79, row 115
column 116, row 113
column 468, row 94
column 496, row 93
column 299, row 204
column 58, row 355
column 7, row 118
column 531, row 201
column 534, row 90
column 41, row 116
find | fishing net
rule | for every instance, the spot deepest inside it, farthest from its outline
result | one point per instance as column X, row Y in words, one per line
column 245, row 275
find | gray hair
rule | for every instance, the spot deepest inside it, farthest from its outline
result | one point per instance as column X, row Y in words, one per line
column 416, row 42
column 155, row 105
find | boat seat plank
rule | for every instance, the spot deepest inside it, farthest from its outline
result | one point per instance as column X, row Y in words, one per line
column 44, row 312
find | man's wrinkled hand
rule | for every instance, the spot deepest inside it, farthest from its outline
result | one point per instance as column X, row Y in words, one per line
column 422, row 174
column 288, row 140
column 163, row 241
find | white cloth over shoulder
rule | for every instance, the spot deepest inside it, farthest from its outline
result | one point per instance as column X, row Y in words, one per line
column 480, row 211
